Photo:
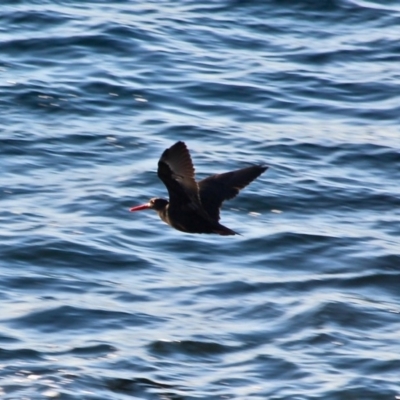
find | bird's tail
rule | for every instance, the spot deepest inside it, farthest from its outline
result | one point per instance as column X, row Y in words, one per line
column 224, row 231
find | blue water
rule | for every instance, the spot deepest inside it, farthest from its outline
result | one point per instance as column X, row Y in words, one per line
column 99, row 303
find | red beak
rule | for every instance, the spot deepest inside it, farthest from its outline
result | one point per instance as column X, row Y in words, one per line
column 142, row 207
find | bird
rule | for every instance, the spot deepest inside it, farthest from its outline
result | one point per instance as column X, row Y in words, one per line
column 193, row 207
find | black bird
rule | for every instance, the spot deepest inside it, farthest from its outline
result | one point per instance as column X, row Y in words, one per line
column 193, row 207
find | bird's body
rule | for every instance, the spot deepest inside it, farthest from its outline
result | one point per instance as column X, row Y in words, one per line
column 193, row 207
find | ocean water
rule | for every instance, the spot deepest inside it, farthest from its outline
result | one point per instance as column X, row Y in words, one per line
column 99, row 303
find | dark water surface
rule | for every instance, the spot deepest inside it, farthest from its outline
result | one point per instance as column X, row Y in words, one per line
column 99, row 303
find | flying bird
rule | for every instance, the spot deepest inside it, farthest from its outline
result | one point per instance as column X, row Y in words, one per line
column 193, row 207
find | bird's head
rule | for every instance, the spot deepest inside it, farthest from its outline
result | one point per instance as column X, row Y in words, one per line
column 155, row 203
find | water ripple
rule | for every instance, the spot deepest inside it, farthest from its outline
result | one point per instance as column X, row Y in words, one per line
column 100, row 303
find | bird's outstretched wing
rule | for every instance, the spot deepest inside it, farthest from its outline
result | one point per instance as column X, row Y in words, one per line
column 215, row 189
column 175, row 169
